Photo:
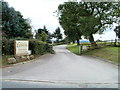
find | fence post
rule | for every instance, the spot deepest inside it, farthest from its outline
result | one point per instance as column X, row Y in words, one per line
column 80, row 49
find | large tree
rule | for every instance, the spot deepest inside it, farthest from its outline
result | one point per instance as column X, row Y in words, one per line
column 103, row 16
column 86, row 18
column 68, row 19
column 13, row 23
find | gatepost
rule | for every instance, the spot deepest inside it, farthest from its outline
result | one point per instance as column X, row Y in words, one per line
column 80, row 49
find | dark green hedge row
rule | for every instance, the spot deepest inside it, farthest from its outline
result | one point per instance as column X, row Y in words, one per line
column 39, row 47
column 36, row 46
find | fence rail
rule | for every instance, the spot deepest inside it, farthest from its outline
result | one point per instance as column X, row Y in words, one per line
column 100, row 44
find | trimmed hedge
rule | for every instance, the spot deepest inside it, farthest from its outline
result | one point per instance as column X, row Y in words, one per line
column 37, row 47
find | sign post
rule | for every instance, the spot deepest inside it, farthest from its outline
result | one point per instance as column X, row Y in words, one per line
column 21, row 47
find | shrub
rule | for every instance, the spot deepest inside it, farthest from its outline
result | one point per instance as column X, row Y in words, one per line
column 39, row 47
column 7, row 46
column 36, row 46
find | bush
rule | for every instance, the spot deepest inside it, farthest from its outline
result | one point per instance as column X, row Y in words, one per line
column 7, row 46
column 36, row 46
column 39, row 47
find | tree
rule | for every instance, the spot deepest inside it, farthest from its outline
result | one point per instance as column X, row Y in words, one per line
column 44, row 32
column 117, row 31
column 86, row 18
column 48, row 33
column 101, row 15
column 68, row 19
column 49, row 38
column 45, row 29
column 13, row 23
column 57, row 34
column 42, row 36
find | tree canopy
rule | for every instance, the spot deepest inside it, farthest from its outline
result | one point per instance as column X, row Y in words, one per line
column 86, row 18
column 44, row 35
column 13, row 23
column 57, row 34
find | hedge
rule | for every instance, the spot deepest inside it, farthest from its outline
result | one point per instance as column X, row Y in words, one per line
column 39, row 47
column 7, row 46
column 36, row 46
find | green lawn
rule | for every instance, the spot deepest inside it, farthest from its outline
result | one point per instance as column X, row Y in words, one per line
column 109, row 53
column 73, row 48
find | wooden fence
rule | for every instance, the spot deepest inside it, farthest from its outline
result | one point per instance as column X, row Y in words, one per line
column 105, row 43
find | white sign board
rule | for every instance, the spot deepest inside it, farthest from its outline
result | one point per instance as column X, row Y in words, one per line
column 21, row 47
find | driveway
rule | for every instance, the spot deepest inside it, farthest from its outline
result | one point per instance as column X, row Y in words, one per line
column 64, row 68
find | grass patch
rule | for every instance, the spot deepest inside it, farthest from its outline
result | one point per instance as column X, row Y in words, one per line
column 73, row 48
column 109, row 53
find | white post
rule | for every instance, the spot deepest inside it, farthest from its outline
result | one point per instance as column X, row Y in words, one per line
column 79, row 49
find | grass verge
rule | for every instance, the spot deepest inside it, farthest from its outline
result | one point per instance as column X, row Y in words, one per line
column 5, row 63
column 109, row 53
column 5, row 60
column 73, row 48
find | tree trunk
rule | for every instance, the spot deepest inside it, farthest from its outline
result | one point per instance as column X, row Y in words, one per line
column 78, row 42
column 115, row 43
column 91, row 39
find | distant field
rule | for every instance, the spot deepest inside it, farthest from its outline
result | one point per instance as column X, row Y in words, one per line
column 109, row 53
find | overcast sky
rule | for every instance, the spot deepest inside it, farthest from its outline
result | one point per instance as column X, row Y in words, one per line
column 41, row 13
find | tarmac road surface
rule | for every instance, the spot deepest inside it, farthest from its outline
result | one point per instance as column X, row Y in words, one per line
column 63, row 69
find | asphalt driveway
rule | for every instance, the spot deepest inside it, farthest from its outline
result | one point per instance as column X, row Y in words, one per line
column 64, row 68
